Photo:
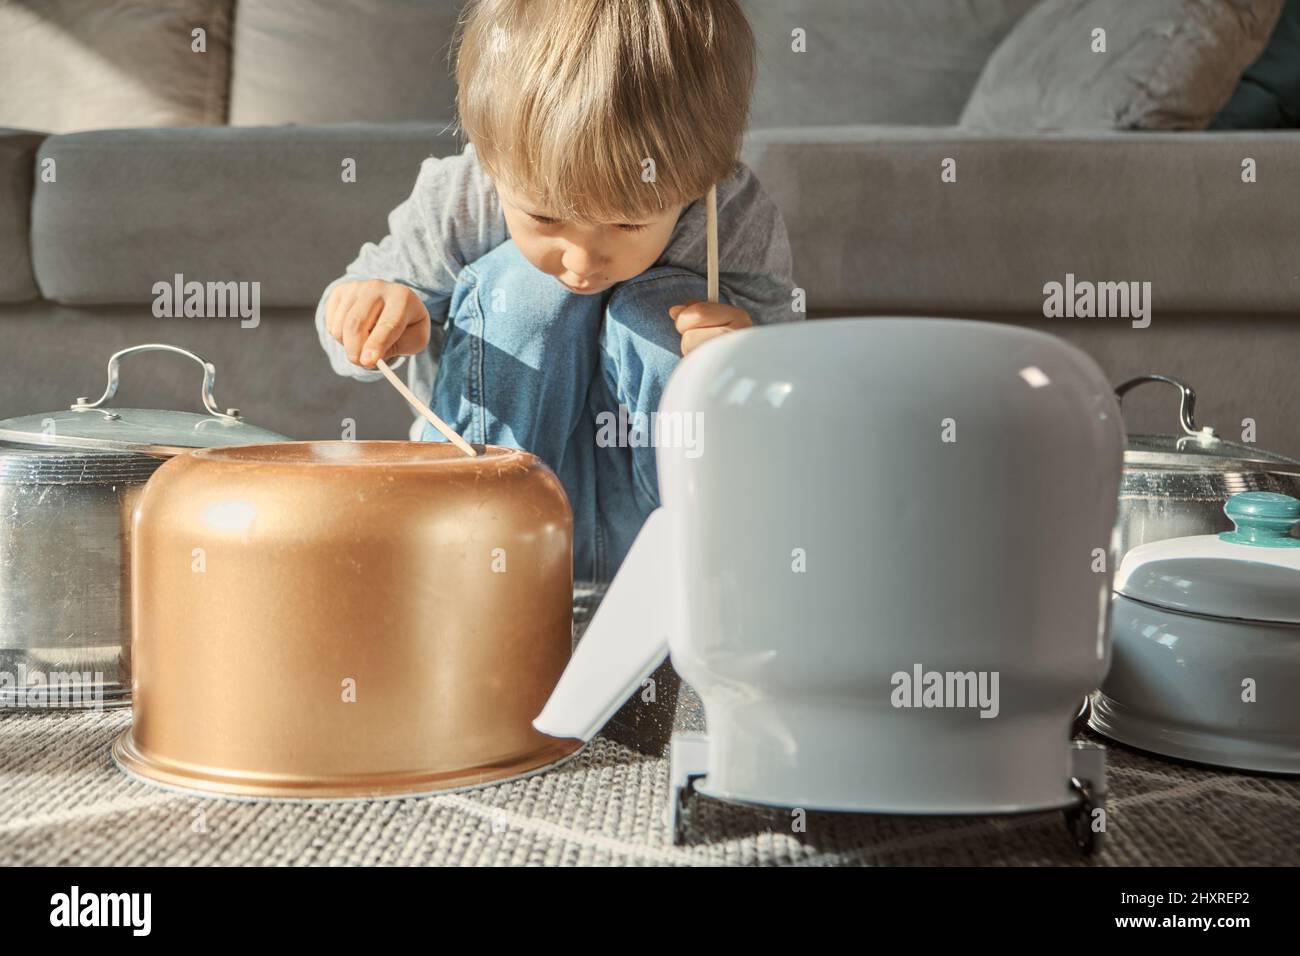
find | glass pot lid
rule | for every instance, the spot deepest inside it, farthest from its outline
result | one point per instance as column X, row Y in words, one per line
column 1196, row 448
column 149, row 431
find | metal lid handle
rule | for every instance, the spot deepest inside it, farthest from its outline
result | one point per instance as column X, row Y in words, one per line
column 209, row 379
column 1186, row 402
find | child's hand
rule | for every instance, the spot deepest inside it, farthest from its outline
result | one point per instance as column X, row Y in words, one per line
column 700, row 321
column 375, row 319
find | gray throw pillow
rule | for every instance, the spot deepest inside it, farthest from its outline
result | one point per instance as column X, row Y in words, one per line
column 1167, row 64
column 68, row 65
column 341, row 61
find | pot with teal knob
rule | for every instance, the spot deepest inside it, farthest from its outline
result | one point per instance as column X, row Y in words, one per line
column 1206, row 643
column 1175, row 484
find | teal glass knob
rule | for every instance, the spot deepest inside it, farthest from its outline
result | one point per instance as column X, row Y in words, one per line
column 1263, row 519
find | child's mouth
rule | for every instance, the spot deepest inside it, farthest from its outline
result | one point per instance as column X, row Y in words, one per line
column 581, row 286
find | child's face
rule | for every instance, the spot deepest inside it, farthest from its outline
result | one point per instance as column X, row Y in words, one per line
column 586, row 259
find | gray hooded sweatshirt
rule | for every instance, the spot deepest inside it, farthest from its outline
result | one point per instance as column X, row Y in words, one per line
column 453, row 217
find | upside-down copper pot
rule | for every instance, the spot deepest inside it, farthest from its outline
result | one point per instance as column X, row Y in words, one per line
column 347, row 619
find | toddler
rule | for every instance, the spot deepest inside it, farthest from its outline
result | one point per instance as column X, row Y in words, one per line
column 562, row 253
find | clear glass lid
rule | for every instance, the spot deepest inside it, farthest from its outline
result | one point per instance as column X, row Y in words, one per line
column 1196, row 447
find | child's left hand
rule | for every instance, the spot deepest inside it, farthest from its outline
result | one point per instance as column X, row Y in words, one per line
column 699, row 321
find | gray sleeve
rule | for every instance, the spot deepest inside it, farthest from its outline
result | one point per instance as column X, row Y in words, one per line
column 754, row 260
column 451, row 218
column 755, row 264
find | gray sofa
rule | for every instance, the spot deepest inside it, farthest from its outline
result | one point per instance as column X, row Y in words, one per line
column 874, row 228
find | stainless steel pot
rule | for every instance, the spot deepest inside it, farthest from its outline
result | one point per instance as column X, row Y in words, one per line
column 68, row 484
column 1177, row 485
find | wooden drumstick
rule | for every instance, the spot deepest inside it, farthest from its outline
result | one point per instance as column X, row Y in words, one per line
column 711, row 240
column 447, row 431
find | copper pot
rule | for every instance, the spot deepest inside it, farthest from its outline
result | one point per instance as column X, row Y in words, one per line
column 347, row 619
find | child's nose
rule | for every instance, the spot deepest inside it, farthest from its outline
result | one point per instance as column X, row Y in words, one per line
column 582, row 262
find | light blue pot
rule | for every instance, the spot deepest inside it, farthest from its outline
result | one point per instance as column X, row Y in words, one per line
column 1206, row 643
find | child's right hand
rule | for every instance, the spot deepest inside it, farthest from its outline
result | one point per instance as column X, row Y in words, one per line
column 376, row 319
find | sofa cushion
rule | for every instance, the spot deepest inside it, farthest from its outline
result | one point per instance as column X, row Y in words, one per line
column 93, row 64
column 1268, row 96
column 264, row 204
column 17, row 168
column 1167, row 64
column 872, row 61
column 875, row 227
column 333, row 61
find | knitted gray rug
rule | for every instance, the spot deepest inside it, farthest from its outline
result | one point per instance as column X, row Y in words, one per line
column 63, row 802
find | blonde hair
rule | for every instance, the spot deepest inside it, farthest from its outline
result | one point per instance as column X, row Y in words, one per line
column 565, row 100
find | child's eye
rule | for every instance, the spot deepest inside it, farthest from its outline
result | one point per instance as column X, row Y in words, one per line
column 548, row 221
